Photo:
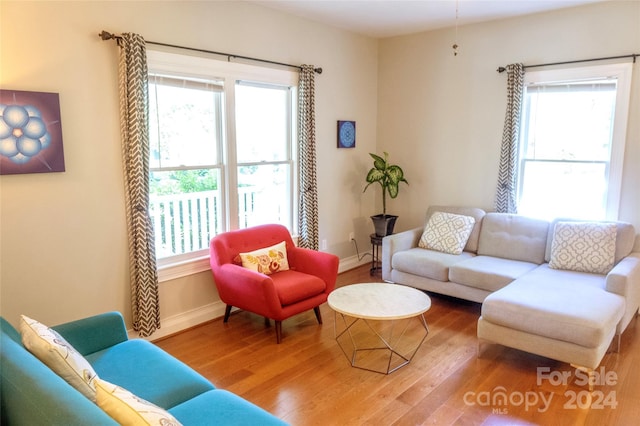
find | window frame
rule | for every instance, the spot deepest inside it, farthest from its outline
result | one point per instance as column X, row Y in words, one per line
column 622, row 72
column 229, row 73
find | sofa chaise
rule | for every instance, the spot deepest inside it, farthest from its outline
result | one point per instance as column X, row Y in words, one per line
column 33, row 394
column 515, row 266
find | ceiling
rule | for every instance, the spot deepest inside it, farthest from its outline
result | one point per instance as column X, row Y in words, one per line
column 388, row 18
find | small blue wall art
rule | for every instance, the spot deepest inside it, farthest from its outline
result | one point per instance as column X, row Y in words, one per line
column 346, row 134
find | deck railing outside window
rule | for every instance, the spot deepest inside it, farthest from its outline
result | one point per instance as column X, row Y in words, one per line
column 186, row 222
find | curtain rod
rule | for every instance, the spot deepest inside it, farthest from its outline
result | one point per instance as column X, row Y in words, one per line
column 104, row 35
column 633, row 55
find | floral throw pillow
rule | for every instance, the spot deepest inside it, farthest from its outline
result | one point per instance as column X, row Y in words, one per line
column 447, row 232
column 128, row 409
column 58, row 354
column 267, row 260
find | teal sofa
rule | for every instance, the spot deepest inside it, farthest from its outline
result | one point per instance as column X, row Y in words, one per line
column 32, row 394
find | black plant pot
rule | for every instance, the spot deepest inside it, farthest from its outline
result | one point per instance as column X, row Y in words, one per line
column 384, row 224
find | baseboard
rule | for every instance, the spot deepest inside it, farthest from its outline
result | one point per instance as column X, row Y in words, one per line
column 188, row 319
column 352, row 262
column 184, row 320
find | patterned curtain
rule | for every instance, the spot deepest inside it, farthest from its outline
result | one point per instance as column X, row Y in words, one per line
column 308, row 203
column 508, row 171
column 134, row 124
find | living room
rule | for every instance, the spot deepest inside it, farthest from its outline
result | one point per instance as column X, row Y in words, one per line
column 440, row 116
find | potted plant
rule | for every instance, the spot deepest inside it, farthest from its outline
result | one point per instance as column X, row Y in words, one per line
column 389, row 177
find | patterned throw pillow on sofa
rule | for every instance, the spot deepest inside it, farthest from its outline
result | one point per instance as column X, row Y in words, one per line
column 128, row 409
column 583, row 247
column 447, row 232
column 54, row 351
column 267, row 260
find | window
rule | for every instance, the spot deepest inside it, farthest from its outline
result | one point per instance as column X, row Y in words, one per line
column 263, row 127
column 572, row 138
column 221, row 153
column 185, row 136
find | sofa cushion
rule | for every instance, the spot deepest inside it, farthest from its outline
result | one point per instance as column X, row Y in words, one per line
column 293, row 286
column 427, row 263
column 583, row 247
column 267, row 260
column 512, row 236
column 625, row 238
column 220, row 407
column 147, row 371
column 128, row 409
column 447, row 232
column 476, row 213
column 488, row 273
column 59, row 355
column 563, row 305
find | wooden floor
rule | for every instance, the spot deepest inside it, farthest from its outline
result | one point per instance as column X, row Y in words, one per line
column 307, row 380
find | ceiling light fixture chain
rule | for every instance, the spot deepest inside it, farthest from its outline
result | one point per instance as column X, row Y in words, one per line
column 455, row 42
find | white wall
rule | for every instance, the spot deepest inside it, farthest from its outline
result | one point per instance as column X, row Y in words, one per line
column 442, row 116
column 63, row 236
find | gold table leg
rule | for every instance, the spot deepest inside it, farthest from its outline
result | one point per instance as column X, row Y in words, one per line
column 391, row 349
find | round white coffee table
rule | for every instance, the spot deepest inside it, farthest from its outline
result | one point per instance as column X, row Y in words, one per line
column 379, row 326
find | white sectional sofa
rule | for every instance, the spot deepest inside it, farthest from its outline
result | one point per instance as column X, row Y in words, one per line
column 552, row 310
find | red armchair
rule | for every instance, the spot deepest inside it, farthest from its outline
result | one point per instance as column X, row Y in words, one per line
column 306, row 285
